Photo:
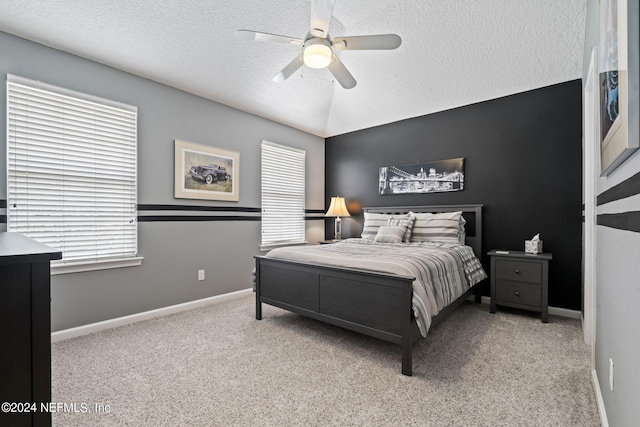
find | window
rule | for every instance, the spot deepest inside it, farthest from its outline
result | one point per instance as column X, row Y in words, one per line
column 283, row 184
column 71, row 165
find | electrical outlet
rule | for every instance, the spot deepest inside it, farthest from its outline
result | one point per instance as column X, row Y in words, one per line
column 611, row 374
column 200, row 274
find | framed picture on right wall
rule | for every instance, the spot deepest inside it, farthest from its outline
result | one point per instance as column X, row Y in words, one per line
column 615, row 144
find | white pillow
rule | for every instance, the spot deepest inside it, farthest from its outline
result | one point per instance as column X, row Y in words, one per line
column 463, row 234
column 390, row 234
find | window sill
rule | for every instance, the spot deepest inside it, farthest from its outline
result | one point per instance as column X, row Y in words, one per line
column 281, row 245
column 78, row 267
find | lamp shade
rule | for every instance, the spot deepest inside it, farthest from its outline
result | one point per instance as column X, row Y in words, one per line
column 337, row 207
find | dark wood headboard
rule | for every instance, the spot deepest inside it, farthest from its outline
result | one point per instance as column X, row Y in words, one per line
column 471, row 213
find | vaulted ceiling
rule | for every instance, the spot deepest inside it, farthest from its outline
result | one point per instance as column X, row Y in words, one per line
column 453, row 52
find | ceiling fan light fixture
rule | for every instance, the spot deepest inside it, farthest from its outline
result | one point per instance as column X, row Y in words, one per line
column 318, row 47
column 317, row 53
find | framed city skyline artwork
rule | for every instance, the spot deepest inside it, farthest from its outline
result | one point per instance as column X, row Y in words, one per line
column 424, row 177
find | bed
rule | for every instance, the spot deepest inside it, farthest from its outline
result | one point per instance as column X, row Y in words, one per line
column 375, row 288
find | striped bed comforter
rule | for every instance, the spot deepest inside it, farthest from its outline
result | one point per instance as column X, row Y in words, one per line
column 443, row 271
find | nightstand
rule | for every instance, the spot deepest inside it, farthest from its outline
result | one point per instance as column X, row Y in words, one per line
column 520, row 280
column 327, row 242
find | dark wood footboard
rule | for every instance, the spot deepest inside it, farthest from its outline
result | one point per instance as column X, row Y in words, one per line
column 374, row 304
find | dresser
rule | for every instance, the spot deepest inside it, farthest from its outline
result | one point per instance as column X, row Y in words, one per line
column 25, row 329
column 520, row 280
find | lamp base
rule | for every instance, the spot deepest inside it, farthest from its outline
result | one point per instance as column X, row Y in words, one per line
column 338, row 229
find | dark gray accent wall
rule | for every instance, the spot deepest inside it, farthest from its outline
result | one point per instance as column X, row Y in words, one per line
column 173, row 250
column 522, row 161
column 617, row 284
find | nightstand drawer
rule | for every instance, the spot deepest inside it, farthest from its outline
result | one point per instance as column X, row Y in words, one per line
column 520, row 271
column 516, row 293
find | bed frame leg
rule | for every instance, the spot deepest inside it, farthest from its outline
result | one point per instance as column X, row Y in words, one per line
column 258, row 303
column 478, row 292
column 257, row 283
column 407, row 338
column 407, row 359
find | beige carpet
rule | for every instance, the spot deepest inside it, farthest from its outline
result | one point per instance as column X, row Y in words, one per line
column 218, row 366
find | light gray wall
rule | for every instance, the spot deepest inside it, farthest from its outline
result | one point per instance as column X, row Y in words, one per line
column 172, row 251
column 618, row 260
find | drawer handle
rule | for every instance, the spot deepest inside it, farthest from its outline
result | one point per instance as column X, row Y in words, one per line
column 517, row 271
column 517, row 293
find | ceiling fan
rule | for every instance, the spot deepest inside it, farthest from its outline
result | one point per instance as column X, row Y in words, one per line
column 318, row 48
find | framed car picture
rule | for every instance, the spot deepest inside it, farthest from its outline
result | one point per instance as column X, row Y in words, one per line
column 204, row 172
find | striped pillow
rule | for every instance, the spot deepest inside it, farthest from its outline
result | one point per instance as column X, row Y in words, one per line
column 390, row 234
column 373, row 222
column 441, row 227
column 406, row 222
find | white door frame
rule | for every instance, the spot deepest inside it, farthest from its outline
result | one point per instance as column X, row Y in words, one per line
column 591, row 172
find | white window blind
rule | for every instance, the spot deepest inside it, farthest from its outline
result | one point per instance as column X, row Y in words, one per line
column 283, row 196
column 71, row 171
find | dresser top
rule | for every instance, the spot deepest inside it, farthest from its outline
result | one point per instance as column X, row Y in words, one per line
column 16, row 248
column 520, row 254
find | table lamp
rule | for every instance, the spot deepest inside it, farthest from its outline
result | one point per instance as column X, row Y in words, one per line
column 337, row 208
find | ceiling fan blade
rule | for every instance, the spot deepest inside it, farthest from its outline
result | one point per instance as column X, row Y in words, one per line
column 289, row 69
column 373, row 42
column 321, row 11
column 266, row 37
column 340, row 72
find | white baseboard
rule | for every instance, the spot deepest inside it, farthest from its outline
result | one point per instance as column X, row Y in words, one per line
column 133, row 318
column 556, row 311
column 603, row 414
column 565, row 312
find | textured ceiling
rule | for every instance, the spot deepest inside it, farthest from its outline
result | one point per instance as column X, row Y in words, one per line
column 453, row 52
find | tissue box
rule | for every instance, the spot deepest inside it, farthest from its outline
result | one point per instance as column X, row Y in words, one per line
column 533, row 247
